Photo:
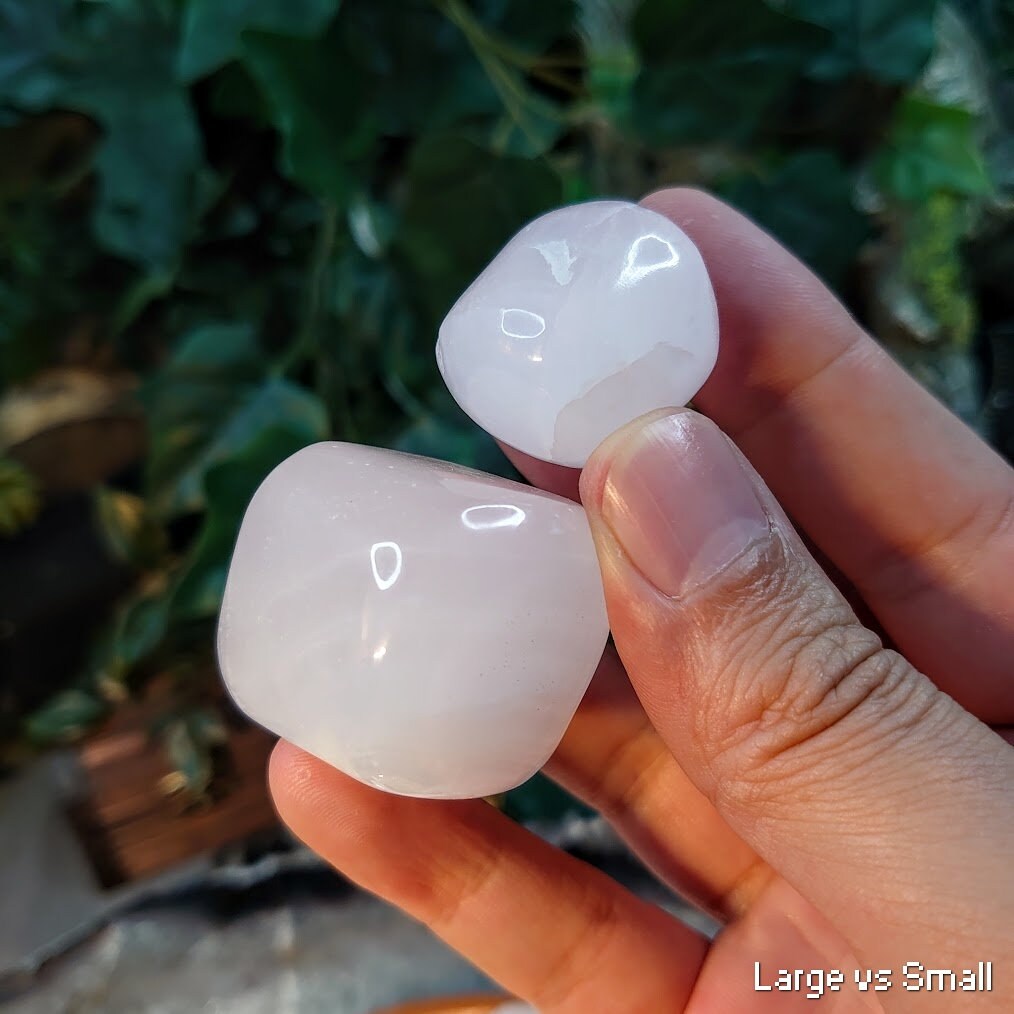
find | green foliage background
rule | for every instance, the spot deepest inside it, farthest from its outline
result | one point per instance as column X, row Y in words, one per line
column 264, row 208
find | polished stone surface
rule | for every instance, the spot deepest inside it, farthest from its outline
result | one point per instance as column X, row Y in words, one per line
column 589, row 317
column 425, row 628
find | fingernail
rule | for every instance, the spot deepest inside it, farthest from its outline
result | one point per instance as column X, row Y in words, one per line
column 679, row 502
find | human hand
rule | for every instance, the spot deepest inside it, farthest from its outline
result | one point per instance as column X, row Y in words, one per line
column 757, row 745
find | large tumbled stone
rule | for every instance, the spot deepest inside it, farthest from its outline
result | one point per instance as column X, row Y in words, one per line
column 589, row 317
column 427, row 629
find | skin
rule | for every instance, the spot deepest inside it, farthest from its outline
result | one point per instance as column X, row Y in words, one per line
column 830, row 789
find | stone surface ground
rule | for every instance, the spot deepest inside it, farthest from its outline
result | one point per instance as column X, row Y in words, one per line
column 302, row 943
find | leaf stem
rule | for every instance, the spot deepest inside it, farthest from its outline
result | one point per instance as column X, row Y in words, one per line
column 306, row 345
column 491, row 55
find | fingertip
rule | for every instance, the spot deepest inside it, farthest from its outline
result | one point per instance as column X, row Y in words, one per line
column 681, row 203
column 553, row 478
column 287, row 768
column 290, row 772
column 309, row 794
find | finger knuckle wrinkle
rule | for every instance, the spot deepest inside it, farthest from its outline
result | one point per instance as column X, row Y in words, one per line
column 901, row 572
column 467, row 875
column 574, row 968
column 815, row 691
column 631, row 772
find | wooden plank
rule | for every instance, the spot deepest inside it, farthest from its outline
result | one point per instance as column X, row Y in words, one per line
column 132, row 828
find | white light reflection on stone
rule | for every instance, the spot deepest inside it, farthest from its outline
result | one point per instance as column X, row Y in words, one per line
column 643, row 259
column 492, row 515
column 517, row 323
column 386, row 561
column 556, row 253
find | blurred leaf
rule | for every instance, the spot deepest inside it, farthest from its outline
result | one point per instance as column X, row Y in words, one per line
column 151, row 183
column 275, row 402
column 806, row 201
column 531, row 24
column 931, row 148
column 932, row 267
column 31, row 32
column 529, row 124
column 890, row 40
column 189, row 756
column 228, row 488
column 212, row 28
column 19, row 497
column 416, row 66
column 528, row 127
column 64, row 717
column 430, row 66
column 377, row 335
column 213, row 347
column 465, row 444
column 208, row 727
column 317, row 105
column 612, row 59
column 540, row 799
column 235, row 94
column 210, row 403
column 132, row 636
column 129, row 530
column 116, row 63
column 712, row 71
column 140, row 626
column 150, row 190
column 958, row 72
column 462, row 204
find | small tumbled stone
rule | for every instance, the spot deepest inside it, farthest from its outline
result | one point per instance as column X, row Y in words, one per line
column 589, row 317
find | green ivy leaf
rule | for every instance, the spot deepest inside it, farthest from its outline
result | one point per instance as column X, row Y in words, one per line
column 317, row 105
column 806, row 201
column 19, row 497
column 276, row 401
column 931, row 148
column 932, row 269
column 461, row 441
column 713, row 71
column 116, row 63
column 140, row 626
column 129, row 529
column 210, row 402
column 462, row 204
column 228, row 488
column 151, row 184
column 30, row 36
column 889, row 40
column 532, row 24
column 540, row 799
column 64, row 717
column 416, row 66
column 212, row 28
column 207, row 377
column 133, row 634
column 189, row 756
column 434, row 67
column 612, row 59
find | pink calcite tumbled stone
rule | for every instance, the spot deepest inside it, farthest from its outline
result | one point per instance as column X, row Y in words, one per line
column 427, row 629
column 591, row 316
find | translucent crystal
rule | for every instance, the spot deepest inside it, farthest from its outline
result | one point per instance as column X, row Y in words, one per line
column 425, row 628
column 589, row 317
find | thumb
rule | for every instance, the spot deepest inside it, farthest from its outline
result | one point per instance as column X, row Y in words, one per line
column 871, row 791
